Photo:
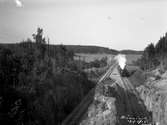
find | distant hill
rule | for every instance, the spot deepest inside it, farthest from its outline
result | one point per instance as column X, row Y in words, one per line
column 98, row 49
column 90, row 49
column 131, row 52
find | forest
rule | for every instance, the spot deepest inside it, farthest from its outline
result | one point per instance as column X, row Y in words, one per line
column 39, row 84
column 154, row 55
column 99, row 49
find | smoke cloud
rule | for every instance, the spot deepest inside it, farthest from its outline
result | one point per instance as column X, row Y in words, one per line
column 121, row 59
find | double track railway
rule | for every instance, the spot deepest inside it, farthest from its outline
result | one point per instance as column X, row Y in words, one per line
column 113, row 72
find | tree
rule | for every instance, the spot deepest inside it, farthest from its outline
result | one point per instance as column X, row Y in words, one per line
column 161, row 50
column 40, row 42
column 148, row 59
column 39, row 36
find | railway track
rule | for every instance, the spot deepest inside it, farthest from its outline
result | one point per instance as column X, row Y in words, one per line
column 81, row 110
column 78, row 113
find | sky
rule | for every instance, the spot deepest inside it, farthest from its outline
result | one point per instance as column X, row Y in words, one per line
column 116, row 24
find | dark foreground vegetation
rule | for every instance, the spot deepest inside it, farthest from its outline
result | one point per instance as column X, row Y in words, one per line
column 39, row 84
column 154, row 55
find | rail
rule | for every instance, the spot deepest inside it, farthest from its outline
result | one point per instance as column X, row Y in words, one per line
column 77, row 114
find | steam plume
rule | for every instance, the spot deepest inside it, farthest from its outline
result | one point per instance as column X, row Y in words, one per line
column 121, row 59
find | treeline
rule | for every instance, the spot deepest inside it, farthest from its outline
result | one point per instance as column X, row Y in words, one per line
column 154, row 55
column 90, row 49
column 97, row 49
column 39, row 85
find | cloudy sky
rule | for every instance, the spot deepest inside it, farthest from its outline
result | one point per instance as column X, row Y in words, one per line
column 117, row 24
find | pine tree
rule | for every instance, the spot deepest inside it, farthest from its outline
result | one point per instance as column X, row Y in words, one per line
column 40, row 42
column 160, row 51
column 149, row 56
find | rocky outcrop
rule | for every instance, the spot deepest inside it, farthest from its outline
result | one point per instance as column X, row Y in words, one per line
column 102, row 112
column 154, row 95
column 155, row 100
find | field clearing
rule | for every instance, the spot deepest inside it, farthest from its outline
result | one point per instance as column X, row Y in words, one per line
column 91, row 57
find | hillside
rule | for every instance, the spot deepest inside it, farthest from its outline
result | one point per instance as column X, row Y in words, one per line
column 131, row 52
column 98, row 49
column 90, row 49
column 40, row 84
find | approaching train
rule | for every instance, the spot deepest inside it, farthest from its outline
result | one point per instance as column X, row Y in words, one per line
column 124, row 72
